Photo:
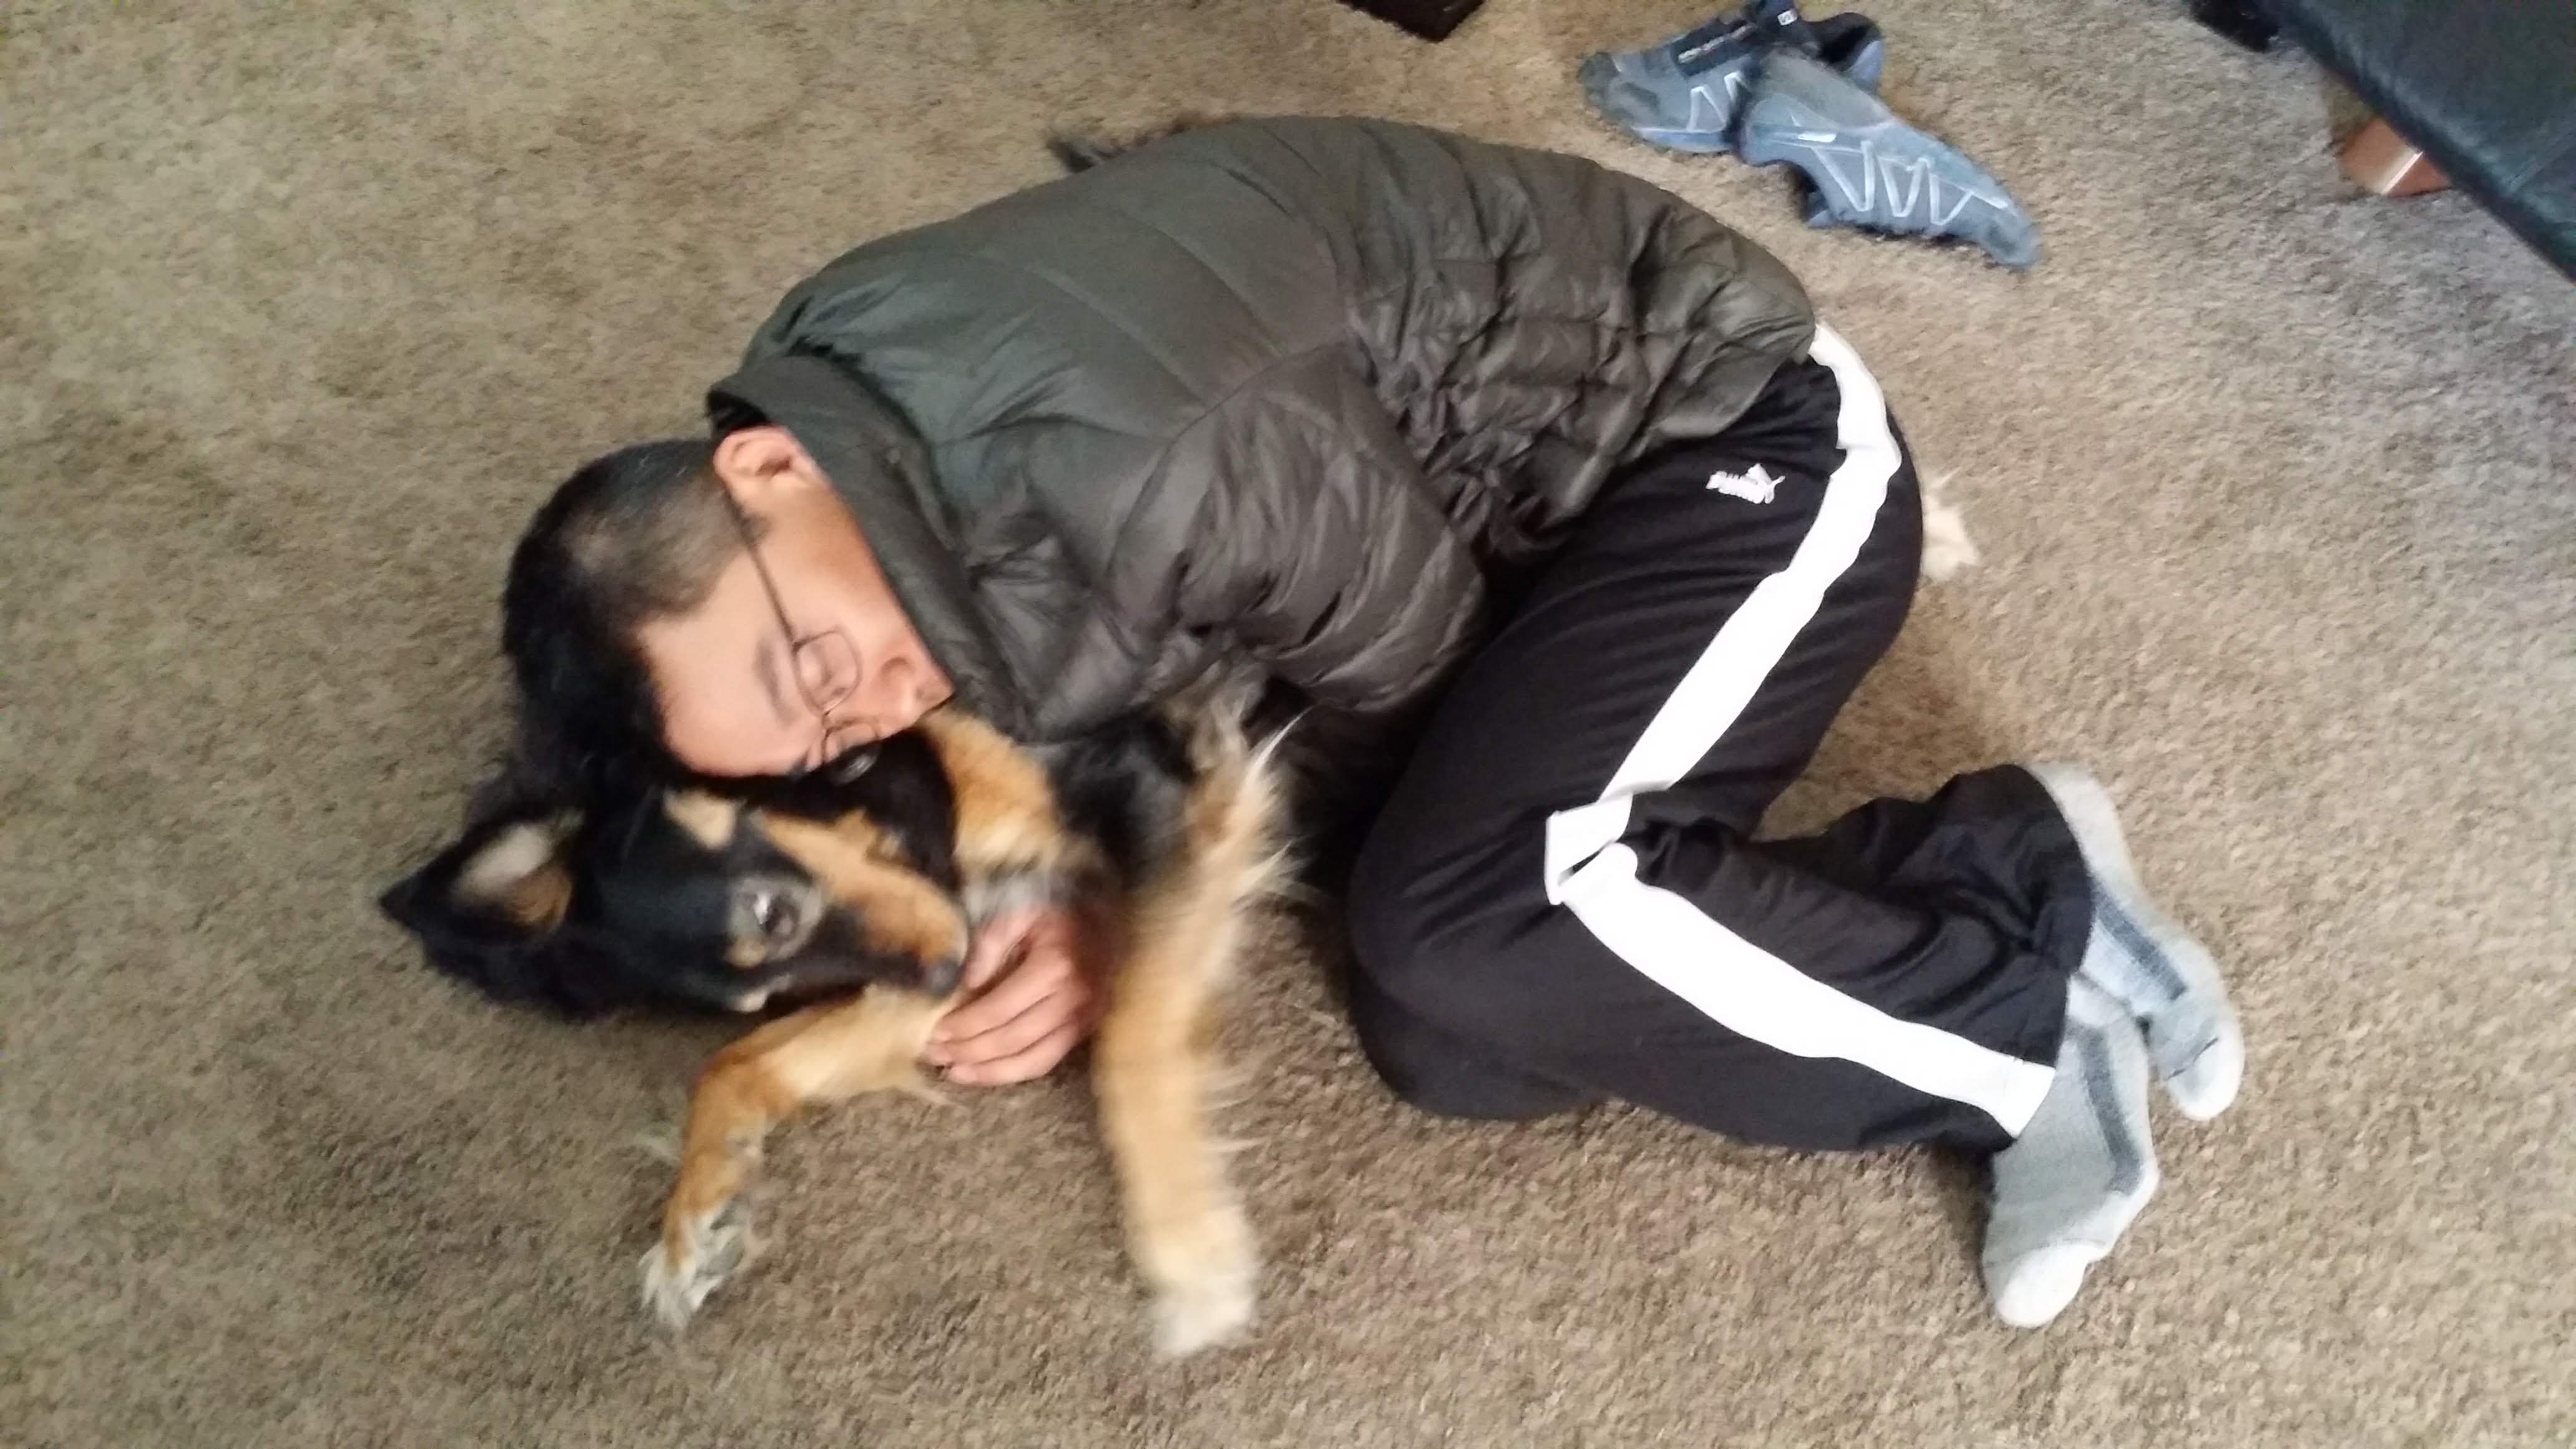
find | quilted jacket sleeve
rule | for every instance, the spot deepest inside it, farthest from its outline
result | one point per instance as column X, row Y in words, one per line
column 1317, row 555
column 1316, row 551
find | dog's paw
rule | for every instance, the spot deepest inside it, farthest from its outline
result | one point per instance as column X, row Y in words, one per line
column 680, row 1271
column 1201, row 1316
column 1205, row 1296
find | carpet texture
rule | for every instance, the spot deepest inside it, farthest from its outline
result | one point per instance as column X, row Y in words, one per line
column 303, row 306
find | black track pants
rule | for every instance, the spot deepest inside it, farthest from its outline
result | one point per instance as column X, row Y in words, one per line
column 1562, row 899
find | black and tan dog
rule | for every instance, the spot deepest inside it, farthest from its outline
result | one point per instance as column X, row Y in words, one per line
column 853, row 904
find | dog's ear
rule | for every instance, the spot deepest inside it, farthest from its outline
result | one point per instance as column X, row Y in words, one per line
column 489, row 910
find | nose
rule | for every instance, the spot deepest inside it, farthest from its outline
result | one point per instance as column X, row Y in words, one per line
column 938, row 978
column 900, row 690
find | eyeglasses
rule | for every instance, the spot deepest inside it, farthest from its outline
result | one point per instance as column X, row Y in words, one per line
column 827, row 671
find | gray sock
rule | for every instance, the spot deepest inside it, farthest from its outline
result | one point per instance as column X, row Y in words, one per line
column 2146, row 960
column 2078, row 1175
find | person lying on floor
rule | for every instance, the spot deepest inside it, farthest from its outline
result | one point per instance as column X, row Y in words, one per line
column 1570, row 527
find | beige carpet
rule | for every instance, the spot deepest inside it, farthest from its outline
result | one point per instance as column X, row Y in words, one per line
column 303, row 306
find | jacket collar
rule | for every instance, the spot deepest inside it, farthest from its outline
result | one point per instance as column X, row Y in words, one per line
column 879, row 465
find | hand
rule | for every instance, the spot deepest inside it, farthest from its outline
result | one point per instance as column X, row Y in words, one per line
column 1029, row 1001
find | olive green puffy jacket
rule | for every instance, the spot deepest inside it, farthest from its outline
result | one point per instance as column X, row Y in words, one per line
column 1307, row 395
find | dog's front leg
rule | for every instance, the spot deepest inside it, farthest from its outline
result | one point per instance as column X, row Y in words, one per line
column 1185, row 1231
column 822, row 1054
column 1154, row 1068
column 1155, row 1063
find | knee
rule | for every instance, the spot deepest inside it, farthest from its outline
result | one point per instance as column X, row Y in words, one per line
column 1400, row 947
column 1452, row 1005
column 1437, row 1071
column 1454, row 965
column 1379, row 920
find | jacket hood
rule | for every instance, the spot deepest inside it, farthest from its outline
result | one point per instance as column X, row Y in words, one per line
column 876, row 461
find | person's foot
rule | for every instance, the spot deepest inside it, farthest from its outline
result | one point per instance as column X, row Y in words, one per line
column 2147, row 961
column 1869, row 168
column 1686, row 93
column 2080, row 1171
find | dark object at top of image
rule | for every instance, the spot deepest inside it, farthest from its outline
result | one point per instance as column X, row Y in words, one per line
column 1430, row 19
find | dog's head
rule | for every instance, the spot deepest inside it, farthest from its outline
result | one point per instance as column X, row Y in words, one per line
column 728, row 900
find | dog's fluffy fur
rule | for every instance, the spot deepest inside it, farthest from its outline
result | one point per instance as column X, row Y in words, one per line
column 1157, row 834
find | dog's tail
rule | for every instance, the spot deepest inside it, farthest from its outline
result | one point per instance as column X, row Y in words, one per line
column 1081, row 151
column 1233, row 824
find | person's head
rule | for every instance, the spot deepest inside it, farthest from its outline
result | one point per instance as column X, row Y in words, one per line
column 709, row 605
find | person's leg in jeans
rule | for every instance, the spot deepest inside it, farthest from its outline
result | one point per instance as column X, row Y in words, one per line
column 1562, row 899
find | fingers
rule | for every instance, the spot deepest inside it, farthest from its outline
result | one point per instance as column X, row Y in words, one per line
column 1016, row 1034
column 994, row 946
column 1036, row 1004
column 1038, row 975
column 1025, row 1065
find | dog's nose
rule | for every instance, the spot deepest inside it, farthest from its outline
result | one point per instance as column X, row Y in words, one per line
column 940, row 977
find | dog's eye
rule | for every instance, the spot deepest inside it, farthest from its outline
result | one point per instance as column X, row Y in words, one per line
column 772, row 914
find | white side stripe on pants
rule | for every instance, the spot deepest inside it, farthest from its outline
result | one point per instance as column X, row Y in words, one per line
column 1735, row 983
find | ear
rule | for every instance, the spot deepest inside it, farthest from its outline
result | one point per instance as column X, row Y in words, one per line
column 489, row 910
column 516, row 872
column 761, row 464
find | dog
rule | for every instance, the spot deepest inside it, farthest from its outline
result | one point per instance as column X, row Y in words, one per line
column 842, row 911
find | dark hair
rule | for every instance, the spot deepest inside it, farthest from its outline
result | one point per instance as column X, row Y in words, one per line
column 637, row 535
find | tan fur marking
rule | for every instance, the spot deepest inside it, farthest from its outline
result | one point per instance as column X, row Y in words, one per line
column 709, row 819
column 861, row 833
column 1006, row 815
column 540, row 901
column 900, row 908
